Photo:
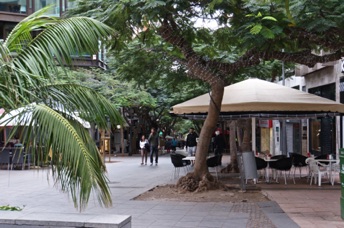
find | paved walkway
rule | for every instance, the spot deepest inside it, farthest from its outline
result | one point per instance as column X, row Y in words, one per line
column 33, row 190
column 309, row 206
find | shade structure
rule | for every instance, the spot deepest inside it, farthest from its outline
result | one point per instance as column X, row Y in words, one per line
column 255, row 96
column 22, row 117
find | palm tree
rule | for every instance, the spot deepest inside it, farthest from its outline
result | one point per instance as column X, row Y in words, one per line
column 30, row 58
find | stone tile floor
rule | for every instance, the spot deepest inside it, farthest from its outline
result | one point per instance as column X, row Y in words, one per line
column 297, row 205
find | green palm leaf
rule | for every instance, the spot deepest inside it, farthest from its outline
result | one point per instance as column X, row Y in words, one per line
column 76, row 163
column 29, row 60
column 89, row 104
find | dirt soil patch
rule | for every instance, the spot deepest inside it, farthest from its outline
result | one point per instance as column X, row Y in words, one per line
column 171, row 193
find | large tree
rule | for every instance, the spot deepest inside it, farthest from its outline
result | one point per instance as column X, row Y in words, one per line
column 158, row 74
column 246, row 33
column 30, row 57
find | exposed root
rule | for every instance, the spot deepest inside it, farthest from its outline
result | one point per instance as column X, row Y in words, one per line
column 231, row 168
column 189, row 183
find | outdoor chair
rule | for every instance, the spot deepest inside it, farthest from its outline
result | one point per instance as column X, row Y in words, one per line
column 278, row 156
column 214, row 162
column 323, row 156
column 275, row 157
column 5, row 158
column 317, row 170
column 19, row 158
column 261, row 164
column 335, row 171
column 178, row 163
column 299, row 161
column 282, row 165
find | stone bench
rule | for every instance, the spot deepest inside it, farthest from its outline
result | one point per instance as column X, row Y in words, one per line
column 15, row 219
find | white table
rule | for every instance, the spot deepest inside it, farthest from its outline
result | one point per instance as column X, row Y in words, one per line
column 268, row 160
column 330, row 162
column 193, row 158
column 190, row 158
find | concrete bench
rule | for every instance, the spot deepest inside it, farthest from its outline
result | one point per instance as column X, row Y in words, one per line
column 15, row 219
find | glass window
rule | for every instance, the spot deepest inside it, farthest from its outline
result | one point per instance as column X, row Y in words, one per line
column 326, row 91
column 341, row 90
column 39, row 4
column 12, row 6
column 315, row 130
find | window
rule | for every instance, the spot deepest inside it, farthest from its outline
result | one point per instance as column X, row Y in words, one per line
column 13, row 6
column 39, row 4
column 326, row 91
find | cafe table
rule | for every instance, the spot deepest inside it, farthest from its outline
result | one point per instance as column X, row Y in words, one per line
column 267, row 169
column 190, row 158
column 193, row 158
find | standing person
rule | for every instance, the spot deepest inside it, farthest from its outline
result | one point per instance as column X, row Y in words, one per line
column 144, row 147
column 153, row 140
column 162, row 144
column 174, row 144
column 191, row 142
column 125, row 143
column 219, row 143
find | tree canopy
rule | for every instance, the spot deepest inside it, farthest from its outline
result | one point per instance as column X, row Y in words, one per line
column 244, row 36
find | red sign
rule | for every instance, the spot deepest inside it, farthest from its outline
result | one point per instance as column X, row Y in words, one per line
column 265, row 123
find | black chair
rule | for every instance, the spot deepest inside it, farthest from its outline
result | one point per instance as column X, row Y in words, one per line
column 17, row 158
column 5, row 158
column 283, row 164
column 299, row 161
column 178, row 162
column 278, row 156
column 214, row 162
column 261, row 164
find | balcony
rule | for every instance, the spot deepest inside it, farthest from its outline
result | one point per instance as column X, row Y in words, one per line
column 88, row 61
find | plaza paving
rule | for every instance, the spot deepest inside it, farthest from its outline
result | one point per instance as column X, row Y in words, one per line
column 33, row 190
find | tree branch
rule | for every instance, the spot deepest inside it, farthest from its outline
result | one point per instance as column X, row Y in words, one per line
column 195, row 64
column 254, row 57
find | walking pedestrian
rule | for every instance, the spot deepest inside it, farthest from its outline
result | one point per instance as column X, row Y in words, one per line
column 191, row 142
column 174, row 144
column 144, row 147
column 153, row 140
column 219, row 144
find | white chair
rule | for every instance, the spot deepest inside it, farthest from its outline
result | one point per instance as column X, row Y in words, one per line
column 335, row 170
column 317, row 170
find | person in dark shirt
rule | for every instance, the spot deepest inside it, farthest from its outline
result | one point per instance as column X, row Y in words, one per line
column 191, row 142
column 174, row 144
column 153, row 140
column 219, row 143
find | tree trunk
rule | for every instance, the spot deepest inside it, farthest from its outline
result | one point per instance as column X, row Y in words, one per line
column 208, row 128
column 233, row 167
column 133, row 141
column 246, row 142
column 239, row 134
column 200, row 179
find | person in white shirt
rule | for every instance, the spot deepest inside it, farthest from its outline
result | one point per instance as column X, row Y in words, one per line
column 144, row 147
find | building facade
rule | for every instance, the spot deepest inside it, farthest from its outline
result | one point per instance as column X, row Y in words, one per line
column 326, row 80
column 318, row 135
column 14, row 11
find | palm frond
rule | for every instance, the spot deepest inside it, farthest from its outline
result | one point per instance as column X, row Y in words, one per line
column 22, row 34
column 89, row 104
column 76, row 163
column 39, row 43
column 28, row 65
